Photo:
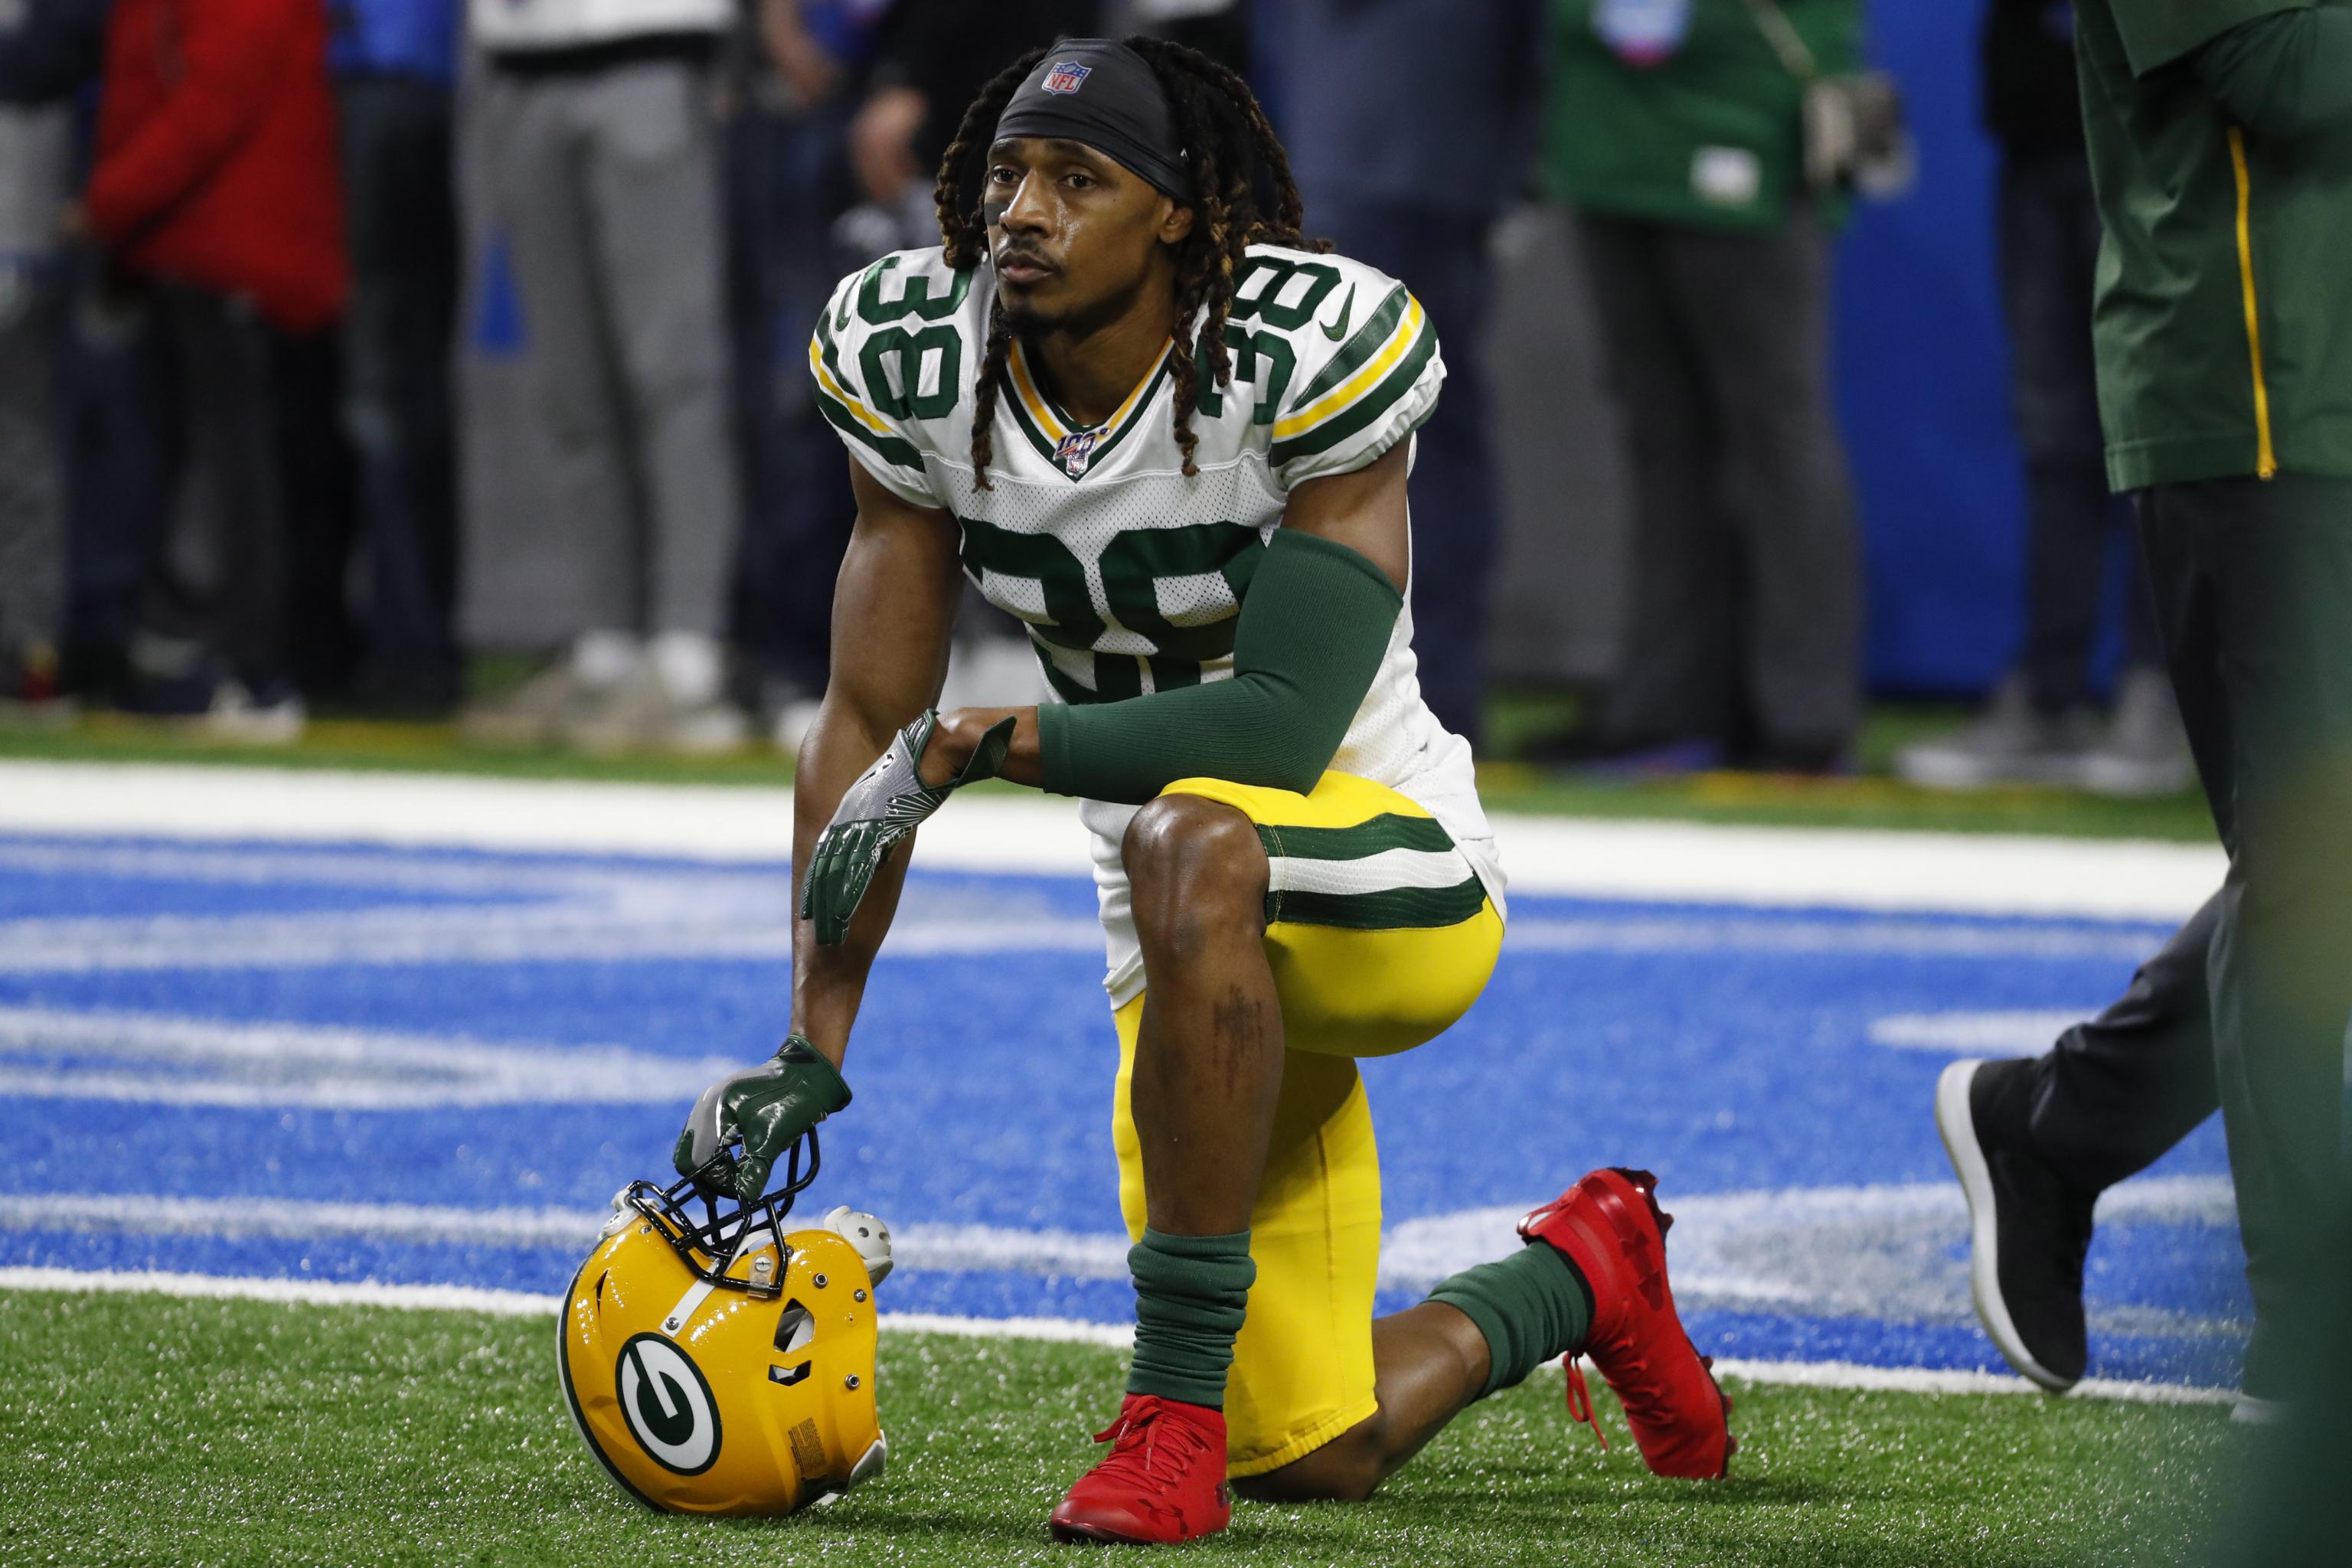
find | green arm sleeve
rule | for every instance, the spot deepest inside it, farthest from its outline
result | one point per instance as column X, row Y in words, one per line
column 2286, row 75
column 1313, row 629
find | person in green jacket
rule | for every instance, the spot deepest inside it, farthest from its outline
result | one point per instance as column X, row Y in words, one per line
column 2221, row 141
column 1675, row 130
column 2220, row 135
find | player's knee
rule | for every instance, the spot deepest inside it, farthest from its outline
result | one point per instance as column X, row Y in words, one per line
column 1193, row 858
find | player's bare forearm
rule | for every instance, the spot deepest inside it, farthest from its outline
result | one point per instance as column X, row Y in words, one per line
column 893, row 608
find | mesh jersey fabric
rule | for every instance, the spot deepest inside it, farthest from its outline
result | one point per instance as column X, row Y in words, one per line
column 1128, row 574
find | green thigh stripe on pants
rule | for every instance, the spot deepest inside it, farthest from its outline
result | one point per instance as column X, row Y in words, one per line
column 1388, row 873
column 1372, row 836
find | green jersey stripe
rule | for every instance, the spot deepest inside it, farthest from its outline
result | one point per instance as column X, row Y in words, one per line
column 1363, row 411
column 1373, row 835
column 898, row 453
column 1360, row 348
column 1395, row 908
column 1136, row 416
column 1106, row 439
column 1009, row 394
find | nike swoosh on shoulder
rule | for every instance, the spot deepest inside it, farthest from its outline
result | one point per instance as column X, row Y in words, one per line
column 1337, row 329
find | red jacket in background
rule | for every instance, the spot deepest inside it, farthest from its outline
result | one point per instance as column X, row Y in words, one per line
column 215, row 163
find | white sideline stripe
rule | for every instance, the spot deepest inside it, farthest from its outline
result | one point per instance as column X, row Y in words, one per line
column 1689, row 862
column 1796, row 934
column 290, row 1293
column 948, row 1248
column 2021, row 1033
column 1067, row 1331
column 1858, row 868
column 1853, row 1376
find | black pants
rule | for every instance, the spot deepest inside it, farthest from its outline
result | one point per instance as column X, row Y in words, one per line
column 781, row 190
column 214, row 577
column 2048, row 253
column 1747, row 581
column 2248, row 1007
column 403, row 227
column 1440, row 256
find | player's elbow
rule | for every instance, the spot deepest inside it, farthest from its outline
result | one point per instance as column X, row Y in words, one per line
column 1300, row 771
column 1296, row 739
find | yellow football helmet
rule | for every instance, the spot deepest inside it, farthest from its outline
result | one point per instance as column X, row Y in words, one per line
column 726, row 1365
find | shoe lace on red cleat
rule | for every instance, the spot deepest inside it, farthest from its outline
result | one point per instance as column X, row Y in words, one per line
column 1150, row 1446
column 1580, row 1404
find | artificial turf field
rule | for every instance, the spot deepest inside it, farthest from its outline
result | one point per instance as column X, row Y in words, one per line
column 297, row 1026
column 142, row 1429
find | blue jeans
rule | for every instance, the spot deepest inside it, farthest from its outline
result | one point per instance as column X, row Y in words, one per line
column 2049, row 250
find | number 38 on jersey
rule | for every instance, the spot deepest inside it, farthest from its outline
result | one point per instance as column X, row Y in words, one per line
column 1128, row 574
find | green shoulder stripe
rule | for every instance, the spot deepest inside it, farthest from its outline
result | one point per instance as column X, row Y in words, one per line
column 1364, row 411
column 891, row 449
column 1360, row 348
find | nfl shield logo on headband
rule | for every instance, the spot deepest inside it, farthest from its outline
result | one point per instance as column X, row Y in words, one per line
column 1064, row 75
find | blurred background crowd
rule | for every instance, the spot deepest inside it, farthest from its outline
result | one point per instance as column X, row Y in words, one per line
column 351, row 348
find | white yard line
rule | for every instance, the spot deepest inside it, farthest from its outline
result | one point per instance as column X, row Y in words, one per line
column 1665, row 861
column 1866, row 1253
column 520, row 1304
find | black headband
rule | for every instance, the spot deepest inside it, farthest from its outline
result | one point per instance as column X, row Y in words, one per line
column 1100, row 92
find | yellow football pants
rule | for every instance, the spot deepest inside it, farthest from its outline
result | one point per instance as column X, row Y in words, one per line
column 1377, row 945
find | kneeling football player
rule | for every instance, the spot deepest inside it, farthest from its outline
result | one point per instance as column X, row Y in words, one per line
column 1144, row 413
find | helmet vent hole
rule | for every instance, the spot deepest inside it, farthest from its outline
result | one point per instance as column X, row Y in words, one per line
column 789, row 1377
column 796, row 1327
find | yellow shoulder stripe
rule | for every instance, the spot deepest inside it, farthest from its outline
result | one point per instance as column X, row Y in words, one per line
column 1341, row 397
column 848, row 399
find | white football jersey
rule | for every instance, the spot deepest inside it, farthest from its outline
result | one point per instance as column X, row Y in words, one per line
column 1128, row 574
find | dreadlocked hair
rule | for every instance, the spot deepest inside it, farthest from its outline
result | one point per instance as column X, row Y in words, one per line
column 1242, row 194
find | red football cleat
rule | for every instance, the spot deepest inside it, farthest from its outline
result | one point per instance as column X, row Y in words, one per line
column 1609, row 1226
column 1163, row 1481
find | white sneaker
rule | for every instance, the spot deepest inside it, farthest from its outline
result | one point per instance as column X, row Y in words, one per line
column 643, row 714
column 793, row 722
column 274, row 717
column 2010, row 743
column 533, row 714
column 2146, row 751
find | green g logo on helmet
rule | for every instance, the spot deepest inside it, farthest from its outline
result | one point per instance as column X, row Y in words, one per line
column 667, row 1405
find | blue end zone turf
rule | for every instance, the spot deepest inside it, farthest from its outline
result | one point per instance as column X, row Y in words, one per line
column 436, row 1067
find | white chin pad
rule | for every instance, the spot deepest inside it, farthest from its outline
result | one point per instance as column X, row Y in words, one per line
column 866, row 1232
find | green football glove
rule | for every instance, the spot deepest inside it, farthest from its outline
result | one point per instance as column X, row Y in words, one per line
column 770, row 1105
column 877, row 812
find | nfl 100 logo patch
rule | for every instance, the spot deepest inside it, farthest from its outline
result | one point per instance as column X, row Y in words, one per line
column 1064, row 75
column 1076, row 449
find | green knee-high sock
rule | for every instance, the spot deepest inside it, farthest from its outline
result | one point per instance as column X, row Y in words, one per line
column 1531, row 1306
column 1191, row 1293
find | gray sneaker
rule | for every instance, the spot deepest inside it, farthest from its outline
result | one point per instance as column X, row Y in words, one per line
column 2146, row 751
column 2010, row 743
column 643, row 714
column 534, row 713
